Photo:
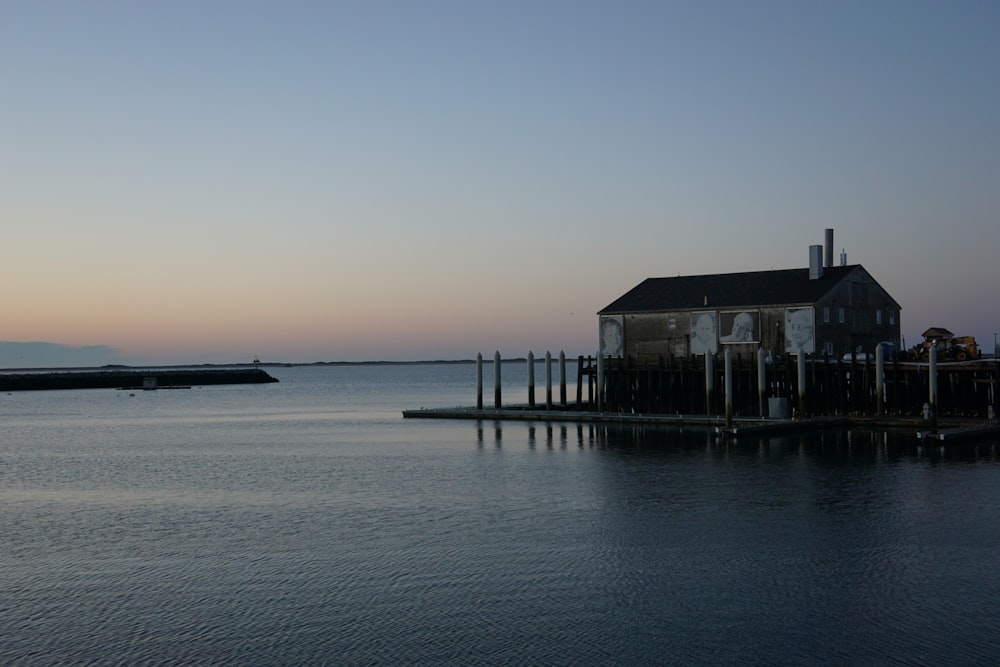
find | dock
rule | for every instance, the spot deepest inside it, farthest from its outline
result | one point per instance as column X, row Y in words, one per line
column 962, row 433
column 744, row 397
column 951, row 431
column 525, row 413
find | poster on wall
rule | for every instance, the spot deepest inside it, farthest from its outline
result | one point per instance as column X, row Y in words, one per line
column 740, row 326
column 799, row 331
column 612, row 336
column 704, row 333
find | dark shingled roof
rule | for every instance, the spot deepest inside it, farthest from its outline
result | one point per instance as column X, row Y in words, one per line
column 729, row 290
column 938, row 333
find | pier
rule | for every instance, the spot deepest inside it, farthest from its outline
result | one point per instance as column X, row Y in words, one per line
column 737, row 395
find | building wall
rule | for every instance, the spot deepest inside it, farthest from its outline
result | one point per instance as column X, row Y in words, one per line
column 857, row 313
column 646, row 336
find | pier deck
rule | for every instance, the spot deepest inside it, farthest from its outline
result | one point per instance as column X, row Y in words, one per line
column 950, row 430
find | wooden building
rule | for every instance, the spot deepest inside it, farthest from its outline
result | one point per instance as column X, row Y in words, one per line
column 824, row 311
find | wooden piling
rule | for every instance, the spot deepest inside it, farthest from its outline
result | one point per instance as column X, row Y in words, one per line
column 562, row 378
column 531, row 379
column 932, row 386
column 496, row 380
column 879, row 379
column 479, row 381
column 548, row 381
column 600, row 382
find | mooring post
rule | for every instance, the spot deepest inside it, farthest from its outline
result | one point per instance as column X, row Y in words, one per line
column 548, row 380
column 932, row 382
column 996, row 381
column 531, row 379
column 802, row 382
column 496, row 380
column 729, row 386
column 479, row 381
column 600, row 381
column 879, row 378
column 709, row 382
column 562, row 378
column 761, row 381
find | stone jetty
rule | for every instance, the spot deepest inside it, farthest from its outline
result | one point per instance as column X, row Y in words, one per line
column 118, row 378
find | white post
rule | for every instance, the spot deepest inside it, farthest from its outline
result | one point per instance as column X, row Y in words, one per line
column 729, row 386
column 932, row 382
column 802, row 382
column 761, row 381
column 709, row 382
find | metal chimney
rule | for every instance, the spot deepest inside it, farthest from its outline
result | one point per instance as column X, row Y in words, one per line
column 828, row 258
column 815, row 262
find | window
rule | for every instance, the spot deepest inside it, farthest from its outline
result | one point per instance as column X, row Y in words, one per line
column 828, row 349
column 878, row 316
column 826, row 314
column 892, row 318
column 841, row 316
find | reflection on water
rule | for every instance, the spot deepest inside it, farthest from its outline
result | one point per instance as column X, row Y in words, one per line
column 873, row 445
column 307, row 523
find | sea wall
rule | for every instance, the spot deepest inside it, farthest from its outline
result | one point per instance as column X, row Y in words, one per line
column 131, row 379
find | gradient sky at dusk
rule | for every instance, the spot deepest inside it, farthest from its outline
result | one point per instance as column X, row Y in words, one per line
column 191, row 181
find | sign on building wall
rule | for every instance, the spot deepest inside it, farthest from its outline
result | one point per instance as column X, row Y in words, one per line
column 704, row 332
column 799, row 324
column 612, row 336
column 740, row 326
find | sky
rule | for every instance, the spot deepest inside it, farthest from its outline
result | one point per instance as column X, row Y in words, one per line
column 209, row 182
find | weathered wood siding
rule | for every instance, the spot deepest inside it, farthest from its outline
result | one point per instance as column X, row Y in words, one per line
column 856, row 314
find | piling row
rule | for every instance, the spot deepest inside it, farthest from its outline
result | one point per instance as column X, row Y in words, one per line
column 758, row 386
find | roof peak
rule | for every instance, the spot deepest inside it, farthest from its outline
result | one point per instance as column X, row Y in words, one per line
column 730, row 290
column 803, row 269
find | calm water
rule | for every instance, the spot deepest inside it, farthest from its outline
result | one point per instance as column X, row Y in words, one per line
column 307, row 523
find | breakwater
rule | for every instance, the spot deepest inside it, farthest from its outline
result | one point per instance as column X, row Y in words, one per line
column 155, row 378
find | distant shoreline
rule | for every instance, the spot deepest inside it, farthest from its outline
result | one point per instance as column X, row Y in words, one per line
column 261, row 364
